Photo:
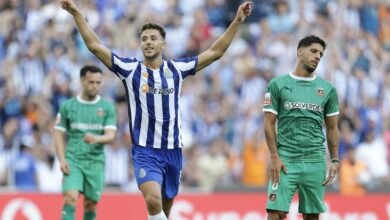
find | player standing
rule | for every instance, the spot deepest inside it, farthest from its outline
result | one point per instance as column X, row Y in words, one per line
column 89, row 122
column 300, row 102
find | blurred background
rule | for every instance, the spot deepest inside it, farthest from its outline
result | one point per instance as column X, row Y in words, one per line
column 41, row 53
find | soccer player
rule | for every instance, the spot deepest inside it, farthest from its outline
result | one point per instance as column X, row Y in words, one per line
column 300, row 102
column 153, row 92
column 89, row 122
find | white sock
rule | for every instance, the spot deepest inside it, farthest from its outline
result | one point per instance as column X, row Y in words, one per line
column 159, row 216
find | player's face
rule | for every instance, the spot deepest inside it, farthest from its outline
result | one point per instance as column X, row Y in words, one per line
column 152, row 43
column 91, row 84
column 310, row 56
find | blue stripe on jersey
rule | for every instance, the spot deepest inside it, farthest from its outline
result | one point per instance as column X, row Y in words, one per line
column 152, row 114
column 138, row 111
column 177, row 84
column 165, row 110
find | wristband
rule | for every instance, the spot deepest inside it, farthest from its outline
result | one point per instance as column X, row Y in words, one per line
column 335, row 160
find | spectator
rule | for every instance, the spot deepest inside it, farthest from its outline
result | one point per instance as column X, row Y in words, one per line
column 24, row 168
column 353, row 175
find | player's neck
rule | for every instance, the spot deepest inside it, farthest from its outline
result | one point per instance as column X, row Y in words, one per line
column 88, row 98
column 153, row 63
column 302, row 72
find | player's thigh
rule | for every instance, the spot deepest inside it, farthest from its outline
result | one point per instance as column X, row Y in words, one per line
column 148, row 165
column 93, row 180
column 311, row 191
column 171, row 183
column 281, row 194
column 74, row 180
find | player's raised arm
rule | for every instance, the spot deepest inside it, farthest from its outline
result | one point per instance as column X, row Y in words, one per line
column 219, row 47
column 90, row 38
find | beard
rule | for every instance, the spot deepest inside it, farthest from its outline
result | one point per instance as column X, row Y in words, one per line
column 151, row 56
column 309, row 69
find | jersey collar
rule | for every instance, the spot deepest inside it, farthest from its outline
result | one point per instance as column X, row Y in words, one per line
column 303, row 78
column 97, row 99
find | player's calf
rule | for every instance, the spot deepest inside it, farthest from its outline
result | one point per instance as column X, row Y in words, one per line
column 89, row 209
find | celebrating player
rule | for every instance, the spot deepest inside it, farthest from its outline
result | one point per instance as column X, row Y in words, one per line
column 153, row 92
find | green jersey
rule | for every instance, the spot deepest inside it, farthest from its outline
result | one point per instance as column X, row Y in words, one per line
column 77, row 117
column 301, row 104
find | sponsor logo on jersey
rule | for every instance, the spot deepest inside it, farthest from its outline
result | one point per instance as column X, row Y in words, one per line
column 304, row 106
column 100, row 112
column 320, row 91
column 157, row 91
column 86, row 126
column 267, row 99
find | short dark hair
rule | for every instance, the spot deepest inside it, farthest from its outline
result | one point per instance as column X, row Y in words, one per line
column 309, row 40
column 89, row 68
column 152, row 25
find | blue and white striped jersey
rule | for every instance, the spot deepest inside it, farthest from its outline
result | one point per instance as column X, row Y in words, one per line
column 154, row 97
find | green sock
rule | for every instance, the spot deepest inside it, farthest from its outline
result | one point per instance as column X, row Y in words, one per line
column 89, row 215
column 68, row 212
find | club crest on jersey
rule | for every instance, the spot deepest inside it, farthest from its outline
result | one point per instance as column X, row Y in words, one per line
column 142, row 173
column 272, row 197
column 100, row 112
column 168, row 73
column 267, row 99
column 320, row 91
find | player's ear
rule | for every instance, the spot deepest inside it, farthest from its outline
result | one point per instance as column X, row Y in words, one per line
column 299, row 52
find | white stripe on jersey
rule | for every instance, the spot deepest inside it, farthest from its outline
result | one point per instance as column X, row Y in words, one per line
column 171, row 84
column 184, row 66
column 158, row 109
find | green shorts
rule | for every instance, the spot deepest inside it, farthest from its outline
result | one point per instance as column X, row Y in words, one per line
column 86, row 177
column 307, row 178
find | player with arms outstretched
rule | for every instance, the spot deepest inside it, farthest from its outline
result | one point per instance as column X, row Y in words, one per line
column 153, row 91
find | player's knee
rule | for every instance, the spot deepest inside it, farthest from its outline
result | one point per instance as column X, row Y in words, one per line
column 153, row 202
column 70, row 199
column 276, row 215
column 311, row 216
column 90, row 205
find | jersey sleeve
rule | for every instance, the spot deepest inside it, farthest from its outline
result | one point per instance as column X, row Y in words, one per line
column 110, row 121
column 62, row 123
column 122, row 67
column 186, row 66
column 271, row 98
column 332, row 105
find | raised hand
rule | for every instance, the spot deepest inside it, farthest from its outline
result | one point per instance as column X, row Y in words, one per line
column 69, row 6
column 243, row 11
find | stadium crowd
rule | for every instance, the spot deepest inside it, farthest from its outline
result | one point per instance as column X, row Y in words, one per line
column 41, row 53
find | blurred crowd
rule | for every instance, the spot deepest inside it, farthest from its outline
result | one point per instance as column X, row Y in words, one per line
column 41, row 53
